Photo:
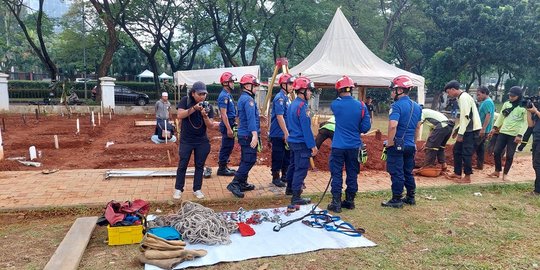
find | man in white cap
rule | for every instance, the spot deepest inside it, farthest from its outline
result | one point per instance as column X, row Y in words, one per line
column 163, row 113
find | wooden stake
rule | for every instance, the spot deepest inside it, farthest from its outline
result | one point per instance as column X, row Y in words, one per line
column 56, row 146
column 165, row 125
column 3, row 125
column 24, row 118
column 78, row 126
column 93, row 120
column 37, row 114
column 169, row 156
column 110, row 115
column 2, row 148
column 99, row 118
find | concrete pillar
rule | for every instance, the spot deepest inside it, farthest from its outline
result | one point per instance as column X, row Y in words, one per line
column 4, row 96
column 107, row 92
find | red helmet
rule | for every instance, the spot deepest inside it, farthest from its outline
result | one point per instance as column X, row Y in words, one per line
column 227, row 77
column 303, row 83
column 249, row 79
column 286, row 78
column 344, row 82
column 402, row 81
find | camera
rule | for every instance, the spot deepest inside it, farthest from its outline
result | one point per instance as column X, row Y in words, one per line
column 528, row 102
column 205, row 105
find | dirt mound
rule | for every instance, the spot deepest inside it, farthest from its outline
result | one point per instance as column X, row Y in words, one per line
column 131, row 146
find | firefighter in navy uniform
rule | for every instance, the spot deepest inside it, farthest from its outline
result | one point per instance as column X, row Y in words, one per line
column 352, row 119
column 227, row 111
column 248, row 135
column 279, row 132
column 301, row 141
column 403, row 127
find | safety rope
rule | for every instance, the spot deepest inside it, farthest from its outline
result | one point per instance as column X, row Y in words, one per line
column 199, row 224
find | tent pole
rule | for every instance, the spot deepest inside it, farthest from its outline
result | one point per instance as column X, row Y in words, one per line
column 269, row 92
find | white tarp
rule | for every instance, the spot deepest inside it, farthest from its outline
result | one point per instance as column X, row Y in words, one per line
column 146, row 74
column 341, row 52
column 210, row 76
column 294, row 239
column 164, row 76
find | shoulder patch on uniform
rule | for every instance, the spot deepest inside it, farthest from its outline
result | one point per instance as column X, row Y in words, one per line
column 226, row 101
column 280, row 101
column 251, row 103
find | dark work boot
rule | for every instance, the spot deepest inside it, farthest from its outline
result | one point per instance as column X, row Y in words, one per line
column 244, row 186
column 276, row 180
column 409, row 199
column 234, row 187
column 284, row 176
column 296, row 199
column 224, row 171
column 288, row 190
column 349, row 200
column 395, row 202
column 335, row 205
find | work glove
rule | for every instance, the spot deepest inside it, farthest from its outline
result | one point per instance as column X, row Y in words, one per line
column 363, row 155
column 235, row 132
column 259, row 146
column 383, row 156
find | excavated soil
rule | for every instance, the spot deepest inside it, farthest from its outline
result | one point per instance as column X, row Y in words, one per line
column 132, row 147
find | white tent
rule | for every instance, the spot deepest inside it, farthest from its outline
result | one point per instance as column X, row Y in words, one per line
column 146, row 74
column 210, row 76
column 164, row 76
column 341, row 52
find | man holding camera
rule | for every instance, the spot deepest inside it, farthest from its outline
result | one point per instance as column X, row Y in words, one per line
column 511, row 125
column 533, row 120
column 197, row 116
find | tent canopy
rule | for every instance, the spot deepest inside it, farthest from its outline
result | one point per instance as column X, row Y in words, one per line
column 146, row 74
column 341, row 52
column 164, row 76
column 210, row 76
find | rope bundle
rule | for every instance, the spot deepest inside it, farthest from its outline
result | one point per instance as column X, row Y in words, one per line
column 199, row 224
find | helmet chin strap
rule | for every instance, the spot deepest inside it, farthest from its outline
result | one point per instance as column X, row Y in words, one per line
column 396, row 97
column 249, row 91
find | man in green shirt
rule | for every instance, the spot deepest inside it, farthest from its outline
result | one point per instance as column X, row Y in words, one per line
column 440, row 131
column 487, row 115
column 326, row 131
column 510, row 126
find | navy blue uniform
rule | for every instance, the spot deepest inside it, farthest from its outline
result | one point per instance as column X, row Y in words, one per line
column 400, row 164
column 300, row 142
column 193, row 138
column 352, row 118
column 226, row 101
column 280, row 155
column 248, row 116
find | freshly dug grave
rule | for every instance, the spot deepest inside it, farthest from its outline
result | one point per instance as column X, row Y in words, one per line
column 131, row 146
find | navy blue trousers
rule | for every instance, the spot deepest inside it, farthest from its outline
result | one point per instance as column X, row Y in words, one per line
column 349, row 158
column 248, row 156
column 299, row 165
column 201, row 151
column 227, row 144
column 280, row 155
column 400, row 165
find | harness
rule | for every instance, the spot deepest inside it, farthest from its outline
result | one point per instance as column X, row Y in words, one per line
column 322, row 220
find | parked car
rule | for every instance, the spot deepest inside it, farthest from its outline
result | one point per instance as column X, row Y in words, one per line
column 124, row 95
column 82, row 80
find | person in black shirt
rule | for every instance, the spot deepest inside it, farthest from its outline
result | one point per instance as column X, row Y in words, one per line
column 533, row 119
column 370, row 107
column 196, row 116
